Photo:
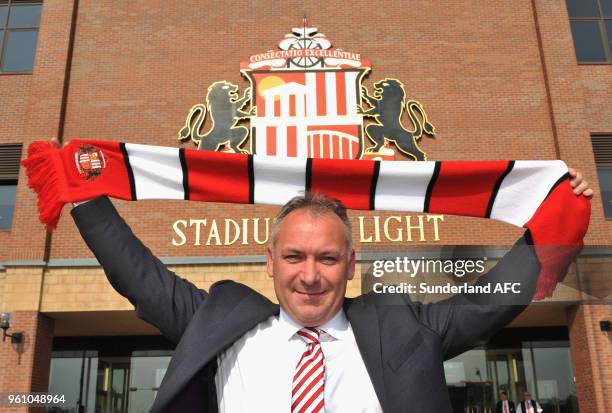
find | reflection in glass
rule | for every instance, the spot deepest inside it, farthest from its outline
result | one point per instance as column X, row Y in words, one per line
column 556, row 389
column 19, row 53
column 146, row 374
column 582, row 8
column 7, row 205
column 102, row 384
column 112, row 385
column 22, row 16
column 65, row 379
column 606, row 6
column 587, row 41
column 476, row 378
column 3, row 12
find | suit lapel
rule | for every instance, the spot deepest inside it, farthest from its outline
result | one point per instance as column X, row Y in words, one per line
column 206, row 337
column 364, row 322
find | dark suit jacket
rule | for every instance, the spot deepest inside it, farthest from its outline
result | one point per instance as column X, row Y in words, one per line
column 403, row 343
column 499, row 408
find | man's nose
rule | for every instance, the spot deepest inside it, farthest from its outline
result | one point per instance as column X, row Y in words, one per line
column 310, row 272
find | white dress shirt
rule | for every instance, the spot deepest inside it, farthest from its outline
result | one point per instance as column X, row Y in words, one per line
column 529, row 409
column 256, row 373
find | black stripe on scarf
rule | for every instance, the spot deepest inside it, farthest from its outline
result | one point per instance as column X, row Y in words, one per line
column 496, row 188
column 375, row 174
column 185, row 174
column 432, row 182
column 126, row 159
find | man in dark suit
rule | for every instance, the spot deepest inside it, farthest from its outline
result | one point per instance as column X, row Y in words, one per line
column 234, row 346
column 528, row 405
column 504, row 405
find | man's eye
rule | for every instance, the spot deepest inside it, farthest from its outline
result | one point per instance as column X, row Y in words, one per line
column 292, row 258
column 329, row 260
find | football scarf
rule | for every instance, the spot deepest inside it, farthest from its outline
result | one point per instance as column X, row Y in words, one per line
column 532, row 194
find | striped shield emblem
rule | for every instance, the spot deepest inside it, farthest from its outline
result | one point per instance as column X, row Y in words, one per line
column 307, row 114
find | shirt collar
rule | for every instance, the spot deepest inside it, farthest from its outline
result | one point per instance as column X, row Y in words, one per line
column 337, row 327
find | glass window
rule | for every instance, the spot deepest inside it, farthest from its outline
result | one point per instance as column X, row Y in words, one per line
column 65, row 379
column 3, row 14
column 605, row 182
column 94, row 383
column 8, row 191
column 606, row 8
column 19, row 51
column 609, row 30
column 556, row 389
column 476, row 378
column 583, row 8
column 24, row 16
column 602, row 148
column 19, row 22
column 9, row 172
column 146, row 374
column 588, row 36
column 591, row 23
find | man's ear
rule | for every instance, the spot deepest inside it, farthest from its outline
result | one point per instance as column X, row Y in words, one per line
column 269, row 262
column 350, row 273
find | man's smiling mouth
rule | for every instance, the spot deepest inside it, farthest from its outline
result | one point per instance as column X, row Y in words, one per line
column 311, row 293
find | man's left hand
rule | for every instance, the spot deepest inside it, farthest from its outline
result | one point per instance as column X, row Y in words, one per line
column 580, row 185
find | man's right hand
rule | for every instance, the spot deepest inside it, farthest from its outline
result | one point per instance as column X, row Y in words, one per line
column 55, row 142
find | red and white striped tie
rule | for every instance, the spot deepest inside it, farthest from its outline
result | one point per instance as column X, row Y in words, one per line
column 307, row 394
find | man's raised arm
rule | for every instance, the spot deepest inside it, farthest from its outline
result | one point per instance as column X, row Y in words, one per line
column 468, row 320
column 159, row 296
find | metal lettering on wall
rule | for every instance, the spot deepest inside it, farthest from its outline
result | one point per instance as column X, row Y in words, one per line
column 249, row 231
column 307, row 100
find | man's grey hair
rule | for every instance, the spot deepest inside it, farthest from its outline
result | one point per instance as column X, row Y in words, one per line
column 317, row 204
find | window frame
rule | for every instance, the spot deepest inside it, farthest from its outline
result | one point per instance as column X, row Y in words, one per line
column 9, row 172
column 606, row 37
column 5, row 29
column 599, row 166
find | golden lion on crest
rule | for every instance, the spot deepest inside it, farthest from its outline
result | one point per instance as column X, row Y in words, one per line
column 386, row 107
column 225, row 108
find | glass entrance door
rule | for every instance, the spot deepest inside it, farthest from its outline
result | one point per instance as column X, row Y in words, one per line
column 97, row 383
column 476, row 378
column 112, row 385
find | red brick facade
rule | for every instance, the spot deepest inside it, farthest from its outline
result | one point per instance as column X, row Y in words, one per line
column 498, row 79
column 25, row 366
column 591, row 356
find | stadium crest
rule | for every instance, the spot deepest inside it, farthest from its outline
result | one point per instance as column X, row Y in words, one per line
column 306, row 99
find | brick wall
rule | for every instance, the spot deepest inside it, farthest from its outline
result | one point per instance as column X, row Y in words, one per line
column 31, row 111
column 477, row 68
column 591, row 356
column 498, row 79
column 578, row 103
column 25, row 366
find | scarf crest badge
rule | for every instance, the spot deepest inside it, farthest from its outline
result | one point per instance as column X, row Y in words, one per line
column 306, row 100
column 90, row 161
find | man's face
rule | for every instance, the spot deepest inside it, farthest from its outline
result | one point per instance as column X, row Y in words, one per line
column 504, row 396
column 310, row 266
column 527, row 396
